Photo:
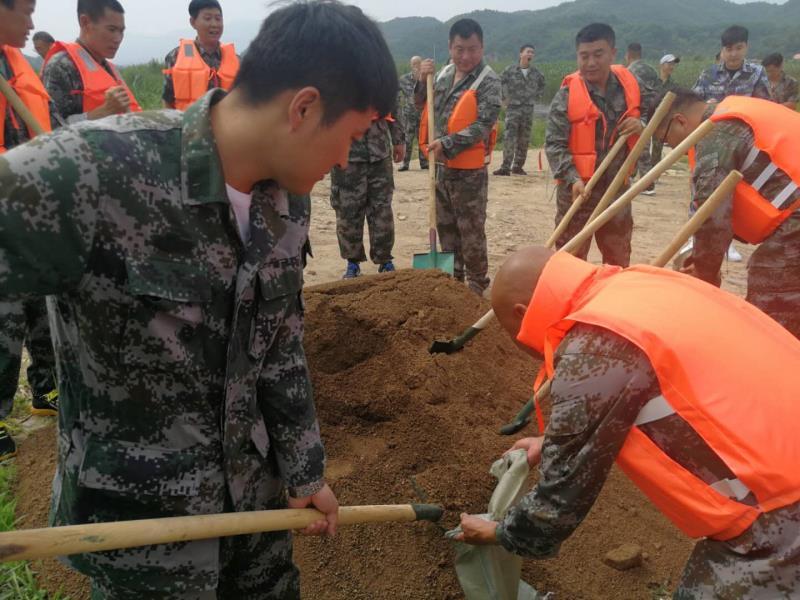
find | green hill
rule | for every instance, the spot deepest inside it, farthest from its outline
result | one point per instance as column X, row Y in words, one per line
column 690, row 28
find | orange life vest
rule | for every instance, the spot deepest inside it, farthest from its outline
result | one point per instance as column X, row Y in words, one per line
column 583, row 115
column 96, row 80
column 776, row 130
column 464, row 114
column 191, row 74
column 30, row 90
column 723, row 366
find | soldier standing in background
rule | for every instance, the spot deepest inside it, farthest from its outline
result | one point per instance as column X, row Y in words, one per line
column 467, row 98
column 783, row 89
column 363, row 190
column 410, row 114
column 523, row 86
column 649, row 84
column 666, row 68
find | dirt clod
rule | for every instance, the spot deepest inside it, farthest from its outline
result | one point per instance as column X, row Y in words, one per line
column 622, row 558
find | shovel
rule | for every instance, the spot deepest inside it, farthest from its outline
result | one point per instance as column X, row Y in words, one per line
column 34, row 544
column 444, row 261
column 688, row 230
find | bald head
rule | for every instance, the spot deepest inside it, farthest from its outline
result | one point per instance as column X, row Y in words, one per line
column 514, row 284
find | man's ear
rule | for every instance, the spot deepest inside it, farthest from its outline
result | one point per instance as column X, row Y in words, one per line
column 613, row 54
column 520, row 310
column 192, row 22
column 306, row 104
column 84, row 21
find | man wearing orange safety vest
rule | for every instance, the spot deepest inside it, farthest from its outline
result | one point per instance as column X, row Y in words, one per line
column 595, row 105
column 467, row 98
column 762, row 140
column 79, row 76
column 688, row 388
column 202, row 64
column 22, row 320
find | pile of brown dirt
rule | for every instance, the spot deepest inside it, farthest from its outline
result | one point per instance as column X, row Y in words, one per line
column 403, row 426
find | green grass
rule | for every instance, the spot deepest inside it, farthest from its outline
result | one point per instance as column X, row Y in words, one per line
column 146, row 82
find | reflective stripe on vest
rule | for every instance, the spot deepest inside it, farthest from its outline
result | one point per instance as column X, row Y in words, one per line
column 191, row 74
column 30, row 90
column 583, row 116
column 722, row 365
column 464, row 114
column 95, row 79
column 776, row 131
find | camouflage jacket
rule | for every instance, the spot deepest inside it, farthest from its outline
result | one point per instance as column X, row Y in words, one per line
column 716, row 82
column 212, row 59
column 786, row 90
column 446, row 96
column 727, row 148
column 378, row 142
column 601, row 383
column 520, row 90
column 181, row 364
column 14, row 130
column 650, row 83
column 556, row 145
column 63, row 82
column 405, row 97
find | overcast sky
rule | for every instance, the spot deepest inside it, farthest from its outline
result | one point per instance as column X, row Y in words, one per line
column 153, row 18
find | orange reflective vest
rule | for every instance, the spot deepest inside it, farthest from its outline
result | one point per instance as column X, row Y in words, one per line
column 583, row 115
column 191, row 74
column 464, row 114
column 96, row 80
column 776, row 130
column 723, row 366
column 30, row 90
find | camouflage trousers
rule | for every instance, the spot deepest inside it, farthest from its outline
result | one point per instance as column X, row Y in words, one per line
column 364, row 191
column 613, row 239
column 411, row 119
column 773, row 275
column 461, row 199
column 761, row 564
column 517, row 136
column 25, row 320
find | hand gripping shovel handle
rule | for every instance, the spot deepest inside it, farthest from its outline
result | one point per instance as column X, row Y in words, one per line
column 34, row 544
column 708, row 208
column 19, row 107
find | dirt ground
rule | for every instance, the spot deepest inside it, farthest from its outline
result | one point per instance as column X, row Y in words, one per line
column 401, row 426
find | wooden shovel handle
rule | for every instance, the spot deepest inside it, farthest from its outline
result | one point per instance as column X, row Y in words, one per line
column 19, row 107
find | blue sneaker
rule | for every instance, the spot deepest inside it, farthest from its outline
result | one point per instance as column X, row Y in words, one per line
column 387, row 267
column 353, row 270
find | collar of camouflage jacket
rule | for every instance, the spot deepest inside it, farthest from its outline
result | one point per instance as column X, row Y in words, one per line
column 448, row 74
column 202, row 179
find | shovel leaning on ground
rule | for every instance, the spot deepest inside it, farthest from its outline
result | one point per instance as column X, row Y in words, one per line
column 444, row 261
column 33, row 544
column 727, row 186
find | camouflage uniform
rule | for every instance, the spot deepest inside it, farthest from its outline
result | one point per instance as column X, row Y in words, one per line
column 717, row 83
column 213, row 59
column 650, row 84
column 22, row 320
column 184, row 385
column 462, row 194
column 786, row 90
column 520, row 92
column 64, row 84
column 614, row 238
column 411, row 117
column 773, row 272
column 364, row 190
column 601, row 383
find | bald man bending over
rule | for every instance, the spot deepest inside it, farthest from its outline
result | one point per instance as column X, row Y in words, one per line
column 411, row 115
column 606, row 391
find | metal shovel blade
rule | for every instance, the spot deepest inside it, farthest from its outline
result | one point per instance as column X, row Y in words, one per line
column 444, row 261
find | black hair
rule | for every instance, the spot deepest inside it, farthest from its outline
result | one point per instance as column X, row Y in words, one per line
column 775, row 59
column 95, row 9
column 9, row 4
column 195, row 6
column 43, row 36
column 526, row 46
column 734, row 35
column 595, row 33
column 323, row 44
column 635, row 48
column 684, row 98
column 465, row 29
